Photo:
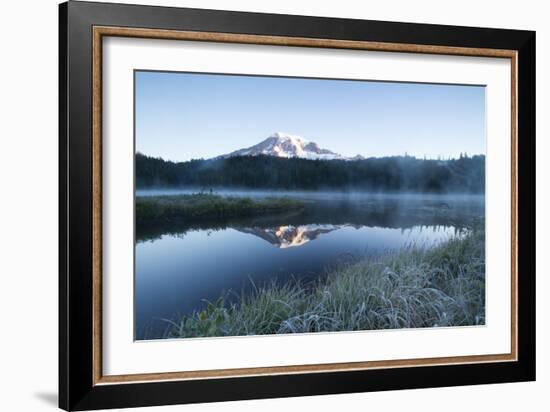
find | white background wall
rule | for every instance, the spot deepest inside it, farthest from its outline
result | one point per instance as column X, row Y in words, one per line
column 28, row 203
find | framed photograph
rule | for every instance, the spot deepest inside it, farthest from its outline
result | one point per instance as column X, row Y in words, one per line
column 256, row 205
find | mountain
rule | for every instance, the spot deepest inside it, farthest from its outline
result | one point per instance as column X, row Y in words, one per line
column 287, row 146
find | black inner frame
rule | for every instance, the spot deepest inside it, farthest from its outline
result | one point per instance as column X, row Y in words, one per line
column 76, row 388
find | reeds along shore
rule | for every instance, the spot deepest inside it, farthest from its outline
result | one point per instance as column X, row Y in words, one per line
column 207, row 206
column 414, row 287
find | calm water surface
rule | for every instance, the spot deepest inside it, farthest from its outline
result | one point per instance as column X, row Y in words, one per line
column 180, row 267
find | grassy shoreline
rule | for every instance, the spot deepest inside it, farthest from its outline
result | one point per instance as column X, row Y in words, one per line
column 196, row 207
column 410, row 288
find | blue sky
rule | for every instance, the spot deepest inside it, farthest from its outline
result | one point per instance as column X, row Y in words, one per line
column 182, row 116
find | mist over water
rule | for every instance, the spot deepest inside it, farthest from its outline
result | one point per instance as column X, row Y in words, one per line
column 179, row 267
column 351, row 195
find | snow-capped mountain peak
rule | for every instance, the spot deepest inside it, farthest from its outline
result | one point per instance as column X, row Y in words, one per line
column 285, row 145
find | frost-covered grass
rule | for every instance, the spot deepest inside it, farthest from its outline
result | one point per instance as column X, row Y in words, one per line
column 411, row 288
column 207, row 206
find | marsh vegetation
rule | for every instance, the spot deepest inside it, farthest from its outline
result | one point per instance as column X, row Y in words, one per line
column 201, row 206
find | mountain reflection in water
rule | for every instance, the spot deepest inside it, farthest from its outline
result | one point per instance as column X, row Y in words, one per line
column 290, row 236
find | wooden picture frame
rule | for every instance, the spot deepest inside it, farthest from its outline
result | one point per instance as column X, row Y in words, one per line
column 82, row 384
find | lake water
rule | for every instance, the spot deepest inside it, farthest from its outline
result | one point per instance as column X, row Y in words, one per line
column 180, row 267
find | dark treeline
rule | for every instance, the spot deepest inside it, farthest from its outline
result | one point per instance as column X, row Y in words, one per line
column 396, row 173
